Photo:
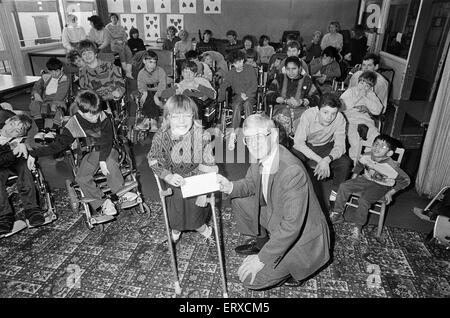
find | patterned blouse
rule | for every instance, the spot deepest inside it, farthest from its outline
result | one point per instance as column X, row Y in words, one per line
column 187, row 155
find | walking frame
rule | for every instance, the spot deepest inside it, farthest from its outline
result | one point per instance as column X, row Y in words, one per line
column 165, row 193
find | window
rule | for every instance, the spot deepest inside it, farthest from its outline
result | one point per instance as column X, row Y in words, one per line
column 40, row 22
column 400, row 27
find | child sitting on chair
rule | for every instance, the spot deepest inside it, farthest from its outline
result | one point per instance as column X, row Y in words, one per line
column 382, row 177
column 203, row 69
column 48, row 95
column 13, row 129
column 360, row 103
column 244, row 82
column 182, row 149
column 151, row 82
column 92, row 123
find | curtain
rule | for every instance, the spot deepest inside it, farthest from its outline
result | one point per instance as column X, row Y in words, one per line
column 434, row 169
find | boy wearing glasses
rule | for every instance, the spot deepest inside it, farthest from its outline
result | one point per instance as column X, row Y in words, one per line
column 360, row 104
column 151, row 82
column 382, row 177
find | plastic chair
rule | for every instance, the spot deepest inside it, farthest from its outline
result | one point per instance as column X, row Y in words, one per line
column 378, row 207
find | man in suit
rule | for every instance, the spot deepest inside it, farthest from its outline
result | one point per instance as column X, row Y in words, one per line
column 276, row 198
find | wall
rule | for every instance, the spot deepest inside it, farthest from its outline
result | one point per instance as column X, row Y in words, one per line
column 399, row 66
column 258, row 17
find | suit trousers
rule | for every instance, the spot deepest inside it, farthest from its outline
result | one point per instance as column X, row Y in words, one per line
column 245, row 211
column 85, row 176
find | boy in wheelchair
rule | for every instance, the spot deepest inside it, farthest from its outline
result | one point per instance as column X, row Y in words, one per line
column 92, row 123
column 13, row 130
column 49, row 96
column 198, row 88
column 382, row 177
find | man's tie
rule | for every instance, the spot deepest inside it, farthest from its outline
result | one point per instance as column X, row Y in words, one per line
column 259, row 187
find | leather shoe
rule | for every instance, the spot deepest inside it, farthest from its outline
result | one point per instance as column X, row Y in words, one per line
column 292, row 282
column 247, row 249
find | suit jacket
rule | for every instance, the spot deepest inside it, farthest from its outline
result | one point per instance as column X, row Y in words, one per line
column 299, row 234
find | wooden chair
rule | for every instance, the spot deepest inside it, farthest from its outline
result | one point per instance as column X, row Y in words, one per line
column 378, row 207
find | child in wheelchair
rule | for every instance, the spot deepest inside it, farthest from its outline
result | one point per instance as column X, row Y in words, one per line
column 151, row 82
column 244, row 82
column 92, row 123
column 14, row 129
column 197, row 88
column 182, row 149
column 382, row 177
column 49, row 96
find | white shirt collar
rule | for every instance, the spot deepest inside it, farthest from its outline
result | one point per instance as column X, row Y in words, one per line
column 267, row 163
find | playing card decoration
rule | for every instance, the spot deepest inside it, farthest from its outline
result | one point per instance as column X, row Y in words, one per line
column 212, row 6
column 162, row 6
column 115, row 6
column 128, row 21
column 188, row 6
column 138, row 6
column 176, row 20
column 152, row 27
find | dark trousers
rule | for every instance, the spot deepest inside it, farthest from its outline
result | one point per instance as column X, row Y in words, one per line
column 339, row 168
column 370, row 191
column 25, row 187
column 249, row 222
column 237, row 106
column 150, row 109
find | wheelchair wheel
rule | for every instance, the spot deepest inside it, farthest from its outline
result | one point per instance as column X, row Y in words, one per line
column 74, row 202
column 144, row 209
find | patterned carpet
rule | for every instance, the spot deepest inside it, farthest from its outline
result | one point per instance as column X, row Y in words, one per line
column 130, row 259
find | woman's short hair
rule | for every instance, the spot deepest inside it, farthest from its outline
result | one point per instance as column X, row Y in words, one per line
column 178, row 104
column 249, row 38
column 96, row 22
column 114, row 15
column 262, row 38
column 336, row 24
column 88, row 101
column 232, row 33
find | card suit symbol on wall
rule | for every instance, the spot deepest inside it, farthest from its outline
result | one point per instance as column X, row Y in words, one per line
column 175, row 23
column 191, row 5
column 148, row 35
column 155, row 26
column 171, row 20
column 139, row 7
column 147, row 18
column 208, row 9
column 216, row 9
column 179, row 20
column 148, row 26
column 124, row 19
column 163, row 6
column 126, row 28
column 184, row 5
column 179, row 28
column 151, row 22
column 155, row 18
column 156, row 35
column 132, row 19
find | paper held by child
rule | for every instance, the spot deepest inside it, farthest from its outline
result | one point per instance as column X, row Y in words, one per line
column 200, row 184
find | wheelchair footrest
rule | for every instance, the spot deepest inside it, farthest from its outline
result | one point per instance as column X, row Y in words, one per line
column 48, row 219
column 18, row 226
column 101, row 219
column 127, row 187
column 87, row 200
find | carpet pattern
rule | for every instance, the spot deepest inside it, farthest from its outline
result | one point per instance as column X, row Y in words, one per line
column 130, row 258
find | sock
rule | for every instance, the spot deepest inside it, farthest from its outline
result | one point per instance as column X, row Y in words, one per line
column 175, row 236
column 207, row 232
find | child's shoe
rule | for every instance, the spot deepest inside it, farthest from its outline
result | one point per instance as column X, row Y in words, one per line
column 336, row 217
column 175, row 236
column 39, row 137
column 208, row 234
column 108, row 208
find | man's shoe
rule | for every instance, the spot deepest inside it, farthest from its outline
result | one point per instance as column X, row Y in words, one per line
column 35, row 217
column 336, row 217
column 249, row 248
column 292, row 282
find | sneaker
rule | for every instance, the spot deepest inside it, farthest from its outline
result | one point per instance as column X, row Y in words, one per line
column 144, row 125
column 356, row 233
column 108, row 208
column 336, row 217
column 175, row 236
column 35, row 217
column 6, row 227
column 208, row 235
column 39, row 137
column 232, row 141
column 50, row 136
column 129, row 196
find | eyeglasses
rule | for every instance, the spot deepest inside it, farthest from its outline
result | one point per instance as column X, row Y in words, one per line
column 181, row 116
column 368, row 85
column 255, row 139
column 87, row 52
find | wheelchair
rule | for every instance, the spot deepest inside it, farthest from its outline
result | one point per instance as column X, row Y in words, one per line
column 45, row 200
column 77, row 198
